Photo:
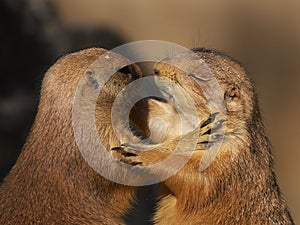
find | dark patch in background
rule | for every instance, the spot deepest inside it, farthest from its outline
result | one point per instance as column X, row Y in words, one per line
column 32, row 39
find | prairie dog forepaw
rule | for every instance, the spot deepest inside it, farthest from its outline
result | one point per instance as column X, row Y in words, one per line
column 210, row 131
column 129, row 156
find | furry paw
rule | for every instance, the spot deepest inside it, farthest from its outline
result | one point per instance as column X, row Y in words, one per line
column 128, row 155
column 210, row 131
column 133, row 157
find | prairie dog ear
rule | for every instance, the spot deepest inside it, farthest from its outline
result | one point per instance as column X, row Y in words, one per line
column 232, row 98
column 92, row 81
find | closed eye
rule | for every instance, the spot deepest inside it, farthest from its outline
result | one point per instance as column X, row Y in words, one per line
column 199, row 77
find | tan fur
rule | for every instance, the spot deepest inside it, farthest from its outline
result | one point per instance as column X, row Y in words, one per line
column 239, row 187
column 51, row 183
column 163, row 121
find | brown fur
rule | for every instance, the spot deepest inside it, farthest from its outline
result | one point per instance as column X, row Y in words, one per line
column 239, row 187
column 51, row 183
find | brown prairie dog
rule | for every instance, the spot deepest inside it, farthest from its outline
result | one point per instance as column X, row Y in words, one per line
column 239, row 186
column 51, row 183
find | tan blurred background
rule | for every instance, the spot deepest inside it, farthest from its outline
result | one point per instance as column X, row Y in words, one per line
column 263, row 35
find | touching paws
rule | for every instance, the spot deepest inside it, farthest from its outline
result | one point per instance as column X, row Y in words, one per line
column 134, row 157
column 209, row 133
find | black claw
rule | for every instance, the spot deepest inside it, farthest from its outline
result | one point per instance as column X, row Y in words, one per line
column 124, row 160
column 125, row 145
column 216, row 136
column 220, row 122
column 136, row 163
column 203, row 142
column 213, row 115
column 210, row 119
column 128, row 154
column 123, row 151
column 117, row 149
column 207, row 144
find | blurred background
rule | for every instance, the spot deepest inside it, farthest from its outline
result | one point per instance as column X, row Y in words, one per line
column 263, row 35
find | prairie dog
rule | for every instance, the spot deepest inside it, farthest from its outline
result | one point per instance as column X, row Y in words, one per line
column 51, row 183
column 239, row 186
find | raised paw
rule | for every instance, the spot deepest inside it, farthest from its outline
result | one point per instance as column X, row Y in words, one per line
column 209, row 120
column 210, row 131
column 211, row 125
column 133, row 157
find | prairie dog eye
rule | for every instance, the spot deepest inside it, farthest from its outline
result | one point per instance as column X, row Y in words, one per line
column 156, row 72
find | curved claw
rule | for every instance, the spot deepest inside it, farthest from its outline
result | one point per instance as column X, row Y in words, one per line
column 130, row 162
column 220, row 122
column 204, row 145
column 217, row 136
column 124, row 152
column 210, row 119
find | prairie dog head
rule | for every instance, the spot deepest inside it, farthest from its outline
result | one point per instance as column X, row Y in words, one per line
column 62, row 81
column 213, row 81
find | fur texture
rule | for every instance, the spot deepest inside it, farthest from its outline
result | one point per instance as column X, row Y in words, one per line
column 239, row 187
column 51, row 183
